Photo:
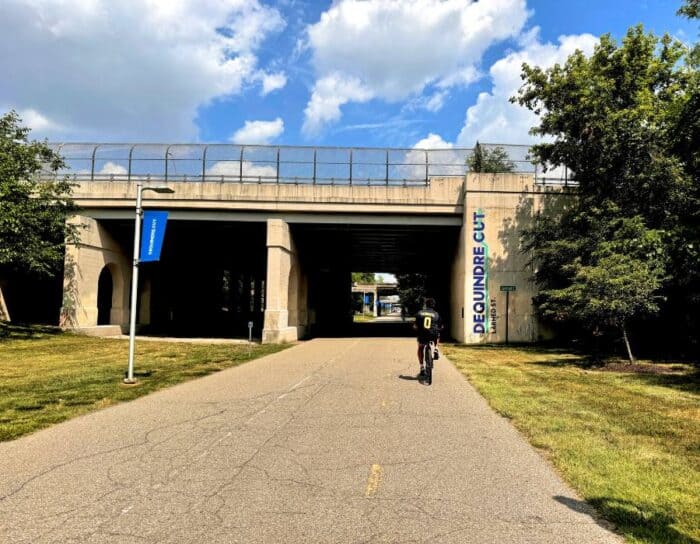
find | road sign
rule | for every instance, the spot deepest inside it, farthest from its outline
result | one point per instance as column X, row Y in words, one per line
column 507, row 287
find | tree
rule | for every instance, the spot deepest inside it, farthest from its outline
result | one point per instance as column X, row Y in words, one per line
column 33, row 212
column 489, row 160
column 625, row 121
column 620, row 283
column 412, row 291
column 364, row 277
column 690, row 9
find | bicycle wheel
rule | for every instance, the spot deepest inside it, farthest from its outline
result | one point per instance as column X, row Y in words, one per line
column 428, row 359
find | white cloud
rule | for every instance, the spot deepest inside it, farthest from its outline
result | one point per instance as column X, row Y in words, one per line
column 258, row 132
column 432, row 102
column 394, row 50
column 462, row 77
column 328, row 95
column 433, row 141
column 36, row 121
column 441, row 157
column 135, row 69
column 493, row 119
column 272, row 82
column 111, row 168
column 251, row 171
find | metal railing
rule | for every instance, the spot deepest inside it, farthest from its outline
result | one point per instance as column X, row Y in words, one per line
column 519, row 157
column 275, row 164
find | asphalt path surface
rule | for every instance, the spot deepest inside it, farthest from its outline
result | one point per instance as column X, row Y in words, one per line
column 330, row 441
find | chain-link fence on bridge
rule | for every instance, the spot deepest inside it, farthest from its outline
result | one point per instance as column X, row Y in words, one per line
column 281, row 164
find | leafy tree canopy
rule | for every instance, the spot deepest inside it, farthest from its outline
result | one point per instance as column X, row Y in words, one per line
column 33, row 212
column 626, row 121
column 412, row 291
column 690, row 9
column 364, row 277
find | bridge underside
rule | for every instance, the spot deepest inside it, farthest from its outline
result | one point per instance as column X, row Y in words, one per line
column 290, row 280
column 332, row 252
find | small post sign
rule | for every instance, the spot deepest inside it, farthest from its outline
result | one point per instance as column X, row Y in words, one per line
column 507, row 289
column 250, row 331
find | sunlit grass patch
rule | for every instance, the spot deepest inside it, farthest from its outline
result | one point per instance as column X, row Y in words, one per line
column 628, row 442
column 46, row 377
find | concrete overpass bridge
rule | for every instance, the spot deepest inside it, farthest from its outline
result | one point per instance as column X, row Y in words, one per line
column 370, row 294
column 249, row 241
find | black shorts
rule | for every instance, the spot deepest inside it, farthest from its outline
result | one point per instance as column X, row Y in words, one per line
column 422, row 340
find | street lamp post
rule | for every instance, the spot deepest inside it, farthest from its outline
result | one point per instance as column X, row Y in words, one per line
column 135, row 272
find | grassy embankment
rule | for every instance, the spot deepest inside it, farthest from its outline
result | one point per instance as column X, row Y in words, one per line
column 47, row 377
column 628, row 442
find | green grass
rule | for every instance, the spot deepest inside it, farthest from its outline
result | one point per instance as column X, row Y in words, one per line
column 47, row 377
column 629, row 443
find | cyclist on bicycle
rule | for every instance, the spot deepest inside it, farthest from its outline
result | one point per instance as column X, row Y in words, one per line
column 427, row 326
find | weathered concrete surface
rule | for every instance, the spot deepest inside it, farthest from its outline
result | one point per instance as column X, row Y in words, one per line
column 442, row 196
column 283, row 304
column 325, row 442
column 497, row 209
column 83, row 264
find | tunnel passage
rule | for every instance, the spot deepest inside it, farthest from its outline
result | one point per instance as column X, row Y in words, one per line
column 330, row 252
column 210, row 281
column 290, row 279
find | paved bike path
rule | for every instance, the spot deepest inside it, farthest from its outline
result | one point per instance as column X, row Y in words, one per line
column 325, row 442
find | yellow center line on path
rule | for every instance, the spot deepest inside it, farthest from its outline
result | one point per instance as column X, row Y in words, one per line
column 375, row 478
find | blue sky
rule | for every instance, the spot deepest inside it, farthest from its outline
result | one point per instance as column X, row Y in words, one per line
column 377, row 73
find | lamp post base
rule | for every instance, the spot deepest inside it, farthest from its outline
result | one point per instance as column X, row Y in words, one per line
column 130, row 381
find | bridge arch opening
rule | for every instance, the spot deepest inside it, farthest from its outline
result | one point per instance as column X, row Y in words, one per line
column 105, row 293
column 332, row 251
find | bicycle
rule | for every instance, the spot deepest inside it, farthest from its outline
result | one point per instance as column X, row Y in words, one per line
column 428, row 351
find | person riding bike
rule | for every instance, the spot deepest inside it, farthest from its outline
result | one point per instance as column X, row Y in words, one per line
column 427, row 326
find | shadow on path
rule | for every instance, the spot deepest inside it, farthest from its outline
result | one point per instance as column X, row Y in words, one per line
column 642, row 522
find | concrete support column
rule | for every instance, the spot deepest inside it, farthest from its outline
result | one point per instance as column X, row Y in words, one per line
column 281, row 256
column 4, row 314
column 84, row 262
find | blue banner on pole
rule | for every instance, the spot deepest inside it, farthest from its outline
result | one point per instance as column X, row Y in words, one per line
column 152, row 236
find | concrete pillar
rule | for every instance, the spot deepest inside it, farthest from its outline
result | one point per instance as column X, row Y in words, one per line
column 281, row 255
column 293, row 293
column 83, row 263
column 4, row 314
column 298, row 298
